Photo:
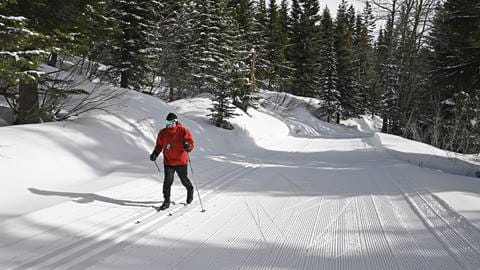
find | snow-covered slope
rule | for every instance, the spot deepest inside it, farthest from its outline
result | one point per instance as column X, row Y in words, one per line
column 84, row 152
column 283, row 191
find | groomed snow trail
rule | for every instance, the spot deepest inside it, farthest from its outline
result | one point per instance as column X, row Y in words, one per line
column 310, row 203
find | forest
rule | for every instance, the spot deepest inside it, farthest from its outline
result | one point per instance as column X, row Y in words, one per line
column 414, row 63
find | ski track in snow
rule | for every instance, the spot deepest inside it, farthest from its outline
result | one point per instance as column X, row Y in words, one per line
column 370, row 218
column 78, row 248
column 459, row 237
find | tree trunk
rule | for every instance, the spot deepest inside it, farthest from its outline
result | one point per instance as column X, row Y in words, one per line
column 384, row 124
column 52, row 60
column 124, row 79
column 82, row 65
column 171, row 94
column 28, row 106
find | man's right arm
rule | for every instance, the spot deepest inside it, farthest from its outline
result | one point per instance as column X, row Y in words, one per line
column 158, row 148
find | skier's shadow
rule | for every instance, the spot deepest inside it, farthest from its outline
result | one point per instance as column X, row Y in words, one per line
column 92, row 197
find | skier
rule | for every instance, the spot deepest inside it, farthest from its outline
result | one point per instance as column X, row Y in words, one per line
column 175, row 141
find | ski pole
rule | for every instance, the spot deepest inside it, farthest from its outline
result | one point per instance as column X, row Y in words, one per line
column 194, row 183
column 157, row 167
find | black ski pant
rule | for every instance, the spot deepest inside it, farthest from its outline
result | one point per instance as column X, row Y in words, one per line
column 182, row 172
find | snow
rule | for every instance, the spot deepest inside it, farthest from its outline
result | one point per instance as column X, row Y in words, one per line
column 283, row 190
column 11, row 54
column 13, row 18
column 16, row 55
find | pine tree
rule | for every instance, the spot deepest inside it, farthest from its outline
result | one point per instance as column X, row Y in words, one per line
column 347, row 85
column 240, row 34
column 369, row 21
column 351, row 19
column 222, row 109
column 390, row 97
column 60, row 24
column 276, row 47
column 237, row 71
column 208, row 59
column 260, row 37
column 244, row 15
column 98, row 37
column 364, row 62
column 217, row 62
column 173, row 64
column 284, row 70
column 231, row 78
column 304, row 47
column 79, row 26
column 328, row 94
column 135, row 44
column 455, row 43
column 454, row 81
column 21, row 52
column 19, row 56
column 62, row 21
column 388, row 78
column 367, row 42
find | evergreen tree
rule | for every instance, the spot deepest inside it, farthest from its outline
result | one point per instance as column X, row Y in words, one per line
column 98, row 37
column 454, row 81
column 135, row 44
column 388, row 77
column 240, row 33
column 366, row 42
column 364, row 62
column 222, row 109
column 173, row 63
column 260, row 37
column 347, row 85
column 218, row 59
column 62, row 21
column 231, row 80
column 275, row 46
column 351, row 19
column 456, row 47
column 81, row 26
column 369, row 21
column 284, row 70
column 237, row 71
column 390, row 97
column 304, row 47
column 328, row 94
column 60, row 24
column 208, row 59
column 244, row 15
column 21, row 52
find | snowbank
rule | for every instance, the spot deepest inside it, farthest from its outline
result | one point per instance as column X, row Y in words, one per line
column 427, row 156
column 298, row 114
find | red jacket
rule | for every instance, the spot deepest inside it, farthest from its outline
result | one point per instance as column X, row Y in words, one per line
column 170, row 141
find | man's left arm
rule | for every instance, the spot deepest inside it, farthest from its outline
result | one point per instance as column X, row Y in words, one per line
column 188, row 143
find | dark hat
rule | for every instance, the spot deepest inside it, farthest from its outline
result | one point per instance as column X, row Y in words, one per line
column 171, row 116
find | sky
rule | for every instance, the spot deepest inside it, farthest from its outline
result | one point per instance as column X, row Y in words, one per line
column 333, row 5
column 359, row 5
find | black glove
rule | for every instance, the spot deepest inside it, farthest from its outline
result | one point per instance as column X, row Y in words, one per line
column 154, row 155
column 186, row 146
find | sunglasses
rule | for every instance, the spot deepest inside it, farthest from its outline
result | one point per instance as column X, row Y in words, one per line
column 170, row 123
